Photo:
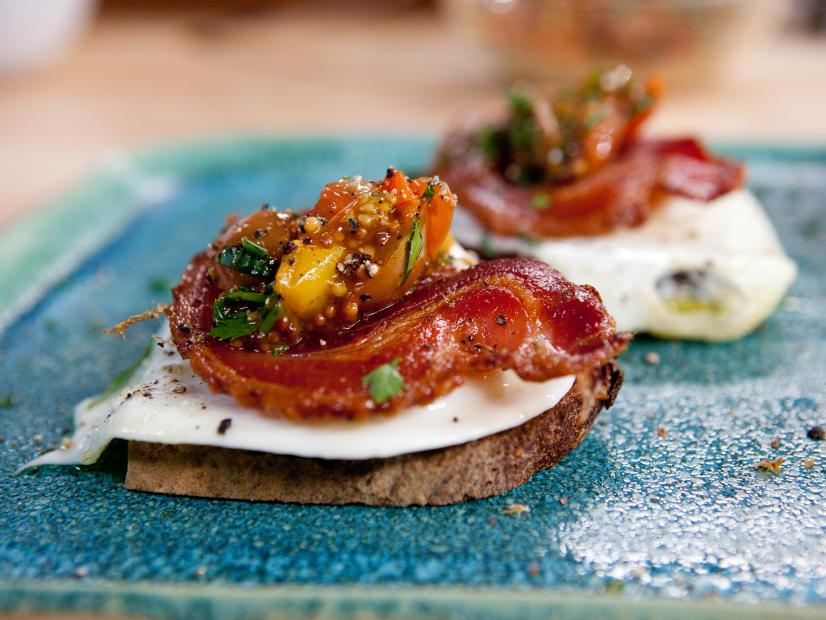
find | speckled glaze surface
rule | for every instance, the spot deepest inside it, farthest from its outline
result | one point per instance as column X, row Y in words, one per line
column 663, row 501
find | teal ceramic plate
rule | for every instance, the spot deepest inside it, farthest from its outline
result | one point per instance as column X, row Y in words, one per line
column 661, row 511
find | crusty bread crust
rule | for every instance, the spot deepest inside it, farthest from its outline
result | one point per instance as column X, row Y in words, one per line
column 477, row 469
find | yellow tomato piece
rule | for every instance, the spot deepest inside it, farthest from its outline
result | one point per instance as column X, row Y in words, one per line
column 305, row 278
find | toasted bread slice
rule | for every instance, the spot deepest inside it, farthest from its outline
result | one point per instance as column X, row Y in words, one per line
column 482, row 468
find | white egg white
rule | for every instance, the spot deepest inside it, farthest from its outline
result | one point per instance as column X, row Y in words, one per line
column 165, row 402
column 708, row 271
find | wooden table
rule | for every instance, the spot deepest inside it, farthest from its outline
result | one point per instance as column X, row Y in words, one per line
column 135, row 81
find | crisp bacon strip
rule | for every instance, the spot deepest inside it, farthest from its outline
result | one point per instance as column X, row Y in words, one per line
column 621, row 194
column 508, row 313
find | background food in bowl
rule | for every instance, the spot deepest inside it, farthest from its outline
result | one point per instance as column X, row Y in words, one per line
column 558, row 40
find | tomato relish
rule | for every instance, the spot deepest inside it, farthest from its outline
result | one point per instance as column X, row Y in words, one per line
column 362, row 247
column 571, row 162
column 571, row 132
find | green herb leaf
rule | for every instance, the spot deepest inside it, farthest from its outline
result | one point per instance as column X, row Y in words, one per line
column 414, row 247
column 253, row 248
column 241, row 259
column 220, row 311
column 228, row 320
column 279, row 350
column 429, row 191
column 270, row 318
column 241, row 312
column 490, row 142
column 522, row 131
column 384, row 382
column 244, row 294
column 236, row 325
column 541, row 201
column 520, row 104
column 522, row 134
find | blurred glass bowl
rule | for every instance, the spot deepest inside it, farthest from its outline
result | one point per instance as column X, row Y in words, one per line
column 559, row 40
column 34, row 33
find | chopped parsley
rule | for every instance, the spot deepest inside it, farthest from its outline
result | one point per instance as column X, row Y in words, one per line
column 541, row 200
column 244, row 294
column 253, row 248
column 545, row 136
column 429, row 191
column 490, row 142
column 248, row 257
column 414, row 248
column 242, row 312
column 519, row 102
column 384, row 382
column 270, row 317
column 235, row 325
column 279, row 350
column 522, row 130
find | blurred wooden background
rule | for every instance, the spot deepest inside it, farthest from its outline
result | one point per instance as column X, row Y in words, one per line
column 146, row 74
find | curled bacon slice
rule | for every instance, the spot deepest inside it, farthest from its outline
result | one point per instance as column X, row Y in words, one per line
column 508, row 313
column 620, row 194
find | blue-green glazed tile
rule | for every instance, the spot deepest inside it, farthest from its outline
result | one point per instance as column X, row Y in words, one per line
column 658, row 512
